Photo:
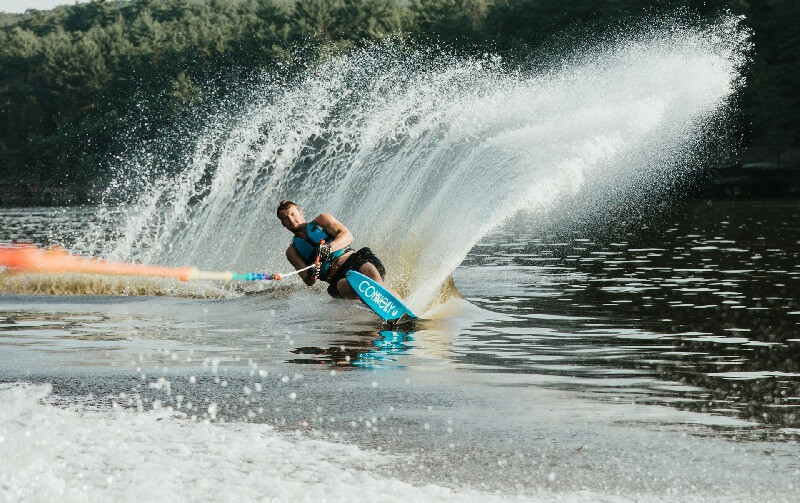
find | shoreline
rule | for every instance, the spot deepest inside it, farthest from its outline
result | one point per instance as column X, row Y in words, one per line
column 750, row 180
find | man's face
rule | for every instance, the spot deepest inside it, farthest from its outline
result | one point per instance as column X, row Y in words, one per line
column 292, row 218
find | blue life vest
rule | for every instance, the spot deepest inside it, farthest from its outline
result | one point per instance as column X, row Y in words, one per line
column 307, row 248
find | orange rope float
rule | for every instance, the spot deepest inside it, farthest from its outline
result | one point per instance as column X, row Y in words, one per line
column 25, row 257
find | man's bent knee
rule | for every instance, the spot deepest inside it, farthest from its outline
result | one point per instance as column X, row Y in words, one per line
column 371, row 271
column 345, row 291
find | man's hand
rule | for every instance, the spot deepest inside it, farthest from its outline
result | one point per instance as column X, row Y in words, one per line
column 313, row 272
column 325, row 252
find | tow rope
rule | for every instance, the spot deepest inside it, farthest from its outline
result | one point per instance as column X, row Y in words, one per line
column 24, row 257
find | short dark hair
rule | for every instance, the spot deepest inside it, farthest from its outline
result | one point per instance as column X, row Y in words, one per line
column 285, row 205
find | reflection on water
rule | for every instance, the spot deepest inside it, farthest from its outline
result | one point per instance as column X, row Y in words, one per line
column 387, row 348
column 369, row 349
column 700, row 314
column 46, row 226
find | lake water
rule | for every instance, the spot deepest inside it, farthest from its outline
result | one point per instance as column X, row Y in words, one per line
column 582, row 365
column 585, row 359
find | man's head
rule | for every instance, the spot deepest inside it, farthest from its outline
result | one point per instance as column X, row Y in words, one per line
column 291, row 216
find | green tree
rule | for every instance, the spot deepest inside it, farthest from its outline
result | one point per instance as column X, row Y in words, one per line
column 21, row 45
column 372, row 19
column 184, row 93
column 319, row 19
column 450, row 20
column 74, row 66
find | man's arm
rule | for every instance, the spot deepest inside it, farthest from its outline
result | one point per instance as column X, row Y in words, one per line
column 341, row 235
column 297, row 261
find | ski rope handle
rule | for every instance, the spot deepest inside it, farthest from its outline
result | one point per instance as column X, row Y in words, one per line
column 317, row 261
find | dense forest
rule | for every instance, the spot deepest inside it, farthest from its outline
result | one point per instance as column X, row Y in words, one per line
column 74, row 81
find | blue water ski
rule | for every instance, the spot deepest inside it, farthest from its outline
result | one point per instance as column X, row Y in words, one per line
column 379, row 299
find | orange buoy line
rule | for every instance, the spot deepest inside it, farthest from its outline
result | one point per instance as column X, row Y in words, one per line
column 24, row 257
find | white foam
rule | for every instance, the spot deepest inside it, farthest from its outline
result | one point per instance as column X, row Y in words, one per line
column 49, row 454
column 52, row 454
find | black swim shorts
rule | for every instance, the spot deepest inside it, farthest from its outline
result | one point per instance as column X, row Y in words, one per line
column 354, row 263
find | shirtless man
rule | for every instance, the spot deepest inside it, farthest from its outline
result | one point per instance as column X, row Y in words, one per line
column 336, row 256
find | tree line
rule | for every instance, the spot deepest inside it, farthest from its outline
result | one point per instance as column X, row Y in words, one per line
column 76, row 79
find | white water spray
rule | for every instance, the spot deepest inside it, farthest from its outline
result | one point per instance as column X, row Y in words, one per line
column 421, row 155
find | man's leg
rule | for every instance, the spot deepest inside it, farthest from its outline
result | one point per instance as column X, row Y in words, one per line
column 345, row 290
column 371, row 271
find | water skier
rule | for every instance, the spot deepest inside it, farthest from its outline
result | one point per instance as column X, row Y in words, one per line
column 336, row 255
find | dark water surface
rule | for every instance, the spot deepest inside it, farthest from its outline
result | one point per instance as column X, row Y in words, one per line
column 579, row 363
column 700, row 312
